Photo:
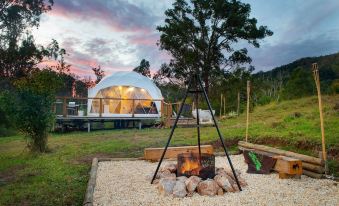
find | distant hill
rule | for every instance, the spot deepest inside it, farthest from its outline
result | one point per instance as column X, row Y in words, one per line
column 295, row 79
column 328, row 67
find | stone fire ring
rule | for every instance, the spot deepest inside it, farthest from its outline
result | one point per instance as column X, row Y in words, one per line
column 122, row 181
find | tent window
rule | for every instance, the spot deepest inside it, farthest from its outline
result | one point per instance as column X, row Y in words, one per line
column 143, row 103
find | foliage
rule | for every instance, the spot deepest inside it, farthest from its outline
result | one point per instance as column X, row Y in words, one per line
column 99, row 73
column 300, row 84
column 17, row 17
column 273, row 83
column 143, row 68
column 201, row 35
column 18, row 52
column 29, row 106
column 335, row 86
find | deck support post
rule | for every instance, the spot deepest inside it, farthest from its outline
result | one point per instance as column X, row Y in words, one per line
column 88, row 126
column 139, row 125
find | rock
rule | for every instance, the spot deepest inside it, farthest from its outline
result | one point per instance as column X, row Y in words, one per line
column 223, row 182
column 150, row 176
column 220, row 191
column 179, row 189
column 166, row 186
column 208, row 187
column 182, row 178
column 192, row 183
column 242, row 182
column 156, row 181
column 170, row 167
column 167, row 174
column 229, row 173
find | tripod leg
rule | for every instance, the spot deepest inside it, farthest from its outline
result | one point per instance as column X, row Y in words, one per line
column 220, row 136
column 198, row 119
column 172, row 131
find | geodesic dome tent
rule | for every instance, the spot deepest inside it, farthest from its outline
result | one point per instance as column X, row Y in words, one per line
column 125, row 94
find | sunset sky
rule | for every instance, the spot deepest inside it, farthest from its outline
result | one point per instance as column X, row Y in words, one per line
column 117, row 34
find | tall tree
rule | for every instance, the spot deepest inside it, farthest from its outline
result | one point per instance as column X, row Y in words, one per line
column 99, row 73
column 143, row 68
column 19, row 55
column 201, row 34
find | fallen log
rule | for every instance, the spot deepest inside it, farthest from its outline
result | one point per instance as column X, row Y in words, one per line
column 304, row 158
column 312, row 174
column 154, row 154
column 313, row 168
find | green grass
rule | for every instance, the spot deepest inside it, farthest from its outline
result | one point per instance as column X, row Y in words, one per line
column 60, row 176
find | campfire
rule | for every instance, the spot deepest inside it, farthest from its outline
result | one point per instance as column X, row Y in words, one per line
column 189, row 164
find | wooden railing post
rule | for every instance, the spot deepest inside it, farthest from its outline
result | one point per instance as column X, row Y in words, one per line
column 64, row 107
column 100, row 107
column 133, row 107
column 162, row 108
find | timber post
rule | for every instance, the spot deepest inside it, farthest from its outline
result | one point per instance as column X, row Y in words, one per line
column 248, row 108
column 315, row 71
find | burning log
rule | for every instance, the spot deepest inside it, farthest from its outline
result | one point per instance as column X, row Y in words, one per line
column 191, row 165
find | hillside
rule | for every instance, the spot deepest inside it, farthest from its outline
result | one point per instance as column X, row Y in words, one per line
column 59, row 177
column 328, row 67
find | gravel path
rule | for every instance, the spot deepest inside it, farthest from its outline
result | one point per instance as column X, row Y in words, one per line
column 124, row 183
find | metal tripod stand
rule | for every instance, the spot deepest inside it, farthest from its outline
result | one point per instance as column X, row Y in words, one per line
column 195, row 86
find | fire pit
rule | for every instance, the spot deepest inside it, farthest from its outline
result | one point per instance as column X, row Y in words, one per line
column 189, row 164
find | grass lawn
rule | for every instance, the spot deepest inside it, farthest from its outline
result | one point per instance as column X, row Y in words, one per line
column 60, row 176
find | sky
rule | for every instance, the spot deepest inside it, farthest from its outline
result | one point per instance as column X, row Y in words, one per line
column 118, row 34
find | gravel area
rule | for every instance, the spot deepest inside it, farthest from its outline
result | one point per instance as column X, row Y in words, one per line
column 125, row 183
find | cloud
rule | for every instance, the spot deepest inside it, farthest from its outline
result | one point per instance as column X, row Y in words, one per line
column 119, row 15
column 270, row 56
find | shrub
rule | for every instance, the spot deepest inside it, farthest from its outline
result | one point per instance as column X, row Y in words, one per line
column 30, row 107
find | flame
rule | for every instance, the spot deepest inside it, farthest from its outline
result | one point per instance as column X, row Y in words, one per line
column 190, row 166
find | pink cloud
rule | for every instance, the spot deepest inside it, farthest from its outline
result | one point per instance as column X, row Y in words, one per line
column 118, row 15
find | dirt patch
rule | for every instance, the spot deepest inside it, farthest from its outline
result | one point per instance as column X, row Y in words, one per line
column 10, row 175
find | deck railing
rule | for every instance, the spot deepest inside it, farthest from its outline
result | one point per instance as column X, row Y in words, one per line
column 78, row 106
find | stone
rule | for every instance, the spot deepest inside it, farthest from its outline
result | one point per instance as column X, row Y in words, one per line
column 166, row 186
column 229, row 173
column 192, row 183
column 156, row 181
column 220, row 191
column 170, row 167
column 179, row 189
column 150, row 176
column 167, row 174
column 182, row 178
column 208, row 187
column 223, row 182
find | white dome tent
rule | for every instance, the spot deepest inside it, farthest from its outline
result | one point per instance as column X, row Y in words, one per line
column 125, row 94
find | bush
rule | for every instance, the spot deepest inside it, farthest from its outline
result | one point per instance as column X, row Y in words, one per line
column 30, row 107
